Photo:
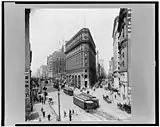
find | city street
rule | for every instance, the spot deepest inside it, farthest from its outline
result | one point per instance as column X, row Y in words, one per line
column 104, row 113
column 78, row 60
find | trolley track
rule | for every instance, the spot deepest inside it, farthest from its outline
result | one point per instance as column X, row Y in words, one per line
column 103, row 115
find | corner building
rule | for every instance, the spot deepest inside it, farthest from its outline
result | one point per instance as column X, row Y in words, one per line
column 81, row 60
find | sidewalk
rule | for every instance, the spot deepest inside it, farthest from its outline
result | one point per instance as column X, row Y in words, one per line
column 47, row 109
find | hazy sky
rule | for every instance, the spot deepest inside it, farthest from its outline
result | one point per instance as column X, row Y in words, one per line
column 49, row 26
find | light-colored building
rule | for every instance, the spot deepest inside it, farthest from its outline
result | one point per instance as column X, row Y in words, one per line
column 43, row 72
column 50, row 66
column 124, row 28
column 97, row 65
column 102, row 71
column 38, row 73
column 116, row 66
column 110, row 72
column 59, row 65
column 111, row 66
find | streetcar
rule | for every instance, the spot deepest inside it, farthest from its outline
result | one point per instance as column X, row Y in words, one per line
column 93, row 98
column 83, row 102
column 68, row 91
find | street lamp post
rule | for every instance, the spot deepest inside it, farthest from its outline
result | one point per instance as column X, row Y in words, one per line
column 59, row 103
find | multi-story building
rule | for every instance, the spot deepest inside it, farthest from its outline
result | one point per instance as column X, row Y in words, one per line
column 129, row 53
column 28, row 57
column 59, row 65
column 102, row 71
column 43, row 71
column 97, row 65
column 50, row 66
column 110, row 72
column 38, row 73
column 116, row 66
column 81, row 59
column 124, row 29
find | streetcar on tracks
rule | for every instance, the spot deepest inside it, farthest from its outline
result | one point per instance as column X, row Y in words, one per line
column 83, row 102
column 68, row 91
column 93, row 98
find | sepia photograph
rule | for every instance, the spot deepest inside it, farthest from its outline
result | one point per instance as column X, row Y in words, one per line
column 76, row 64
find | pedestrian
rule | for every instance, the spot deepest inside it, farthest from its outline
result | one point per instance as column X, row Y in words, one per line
column 40, row 98
column 42, row 109
column 73, row 111
column 70, row 115
column 64, row 114
column 43, row 113
column 49, row 117
column 115, row 96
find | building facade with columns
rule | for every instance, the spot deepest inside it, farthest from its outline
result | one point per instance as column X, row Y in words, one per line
column 81, row 60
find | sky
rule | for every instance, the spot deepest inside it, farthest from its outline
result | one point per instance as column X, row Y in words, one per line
column 49, row 28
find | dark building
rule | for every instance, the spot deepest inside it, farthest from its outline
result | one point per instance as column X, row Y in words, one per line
column 81, row 59
column 28, row 60
column 59, row 65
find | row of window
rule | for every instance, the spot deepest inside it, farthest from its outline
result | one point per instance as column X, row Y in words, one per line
column 75, row 50
column 122, row 64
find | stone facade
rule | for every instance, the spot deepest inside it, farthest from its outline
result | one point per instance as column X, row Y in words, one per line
column 81, row 60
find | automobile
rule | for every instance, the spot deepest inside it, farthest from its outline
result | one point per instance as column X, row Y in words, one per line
column 106, row 98
column 50, row 101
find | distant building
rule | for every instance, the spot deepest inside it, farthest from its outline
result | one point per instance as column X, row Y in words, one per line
column 43, row 71
column 81, row 59
column 97, row 66
column 102, row 71
column 59, row 65
column 110, row 72
column 50, row 66
column 38, row 73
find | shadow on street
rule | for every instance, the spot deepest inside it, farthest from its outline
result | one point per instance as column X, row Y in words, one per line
column 34, row 115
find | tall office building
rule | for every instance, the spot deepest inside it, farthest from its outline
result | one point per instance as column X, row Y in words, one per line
column 116, row 65
column 81, row 59
column 59, row 65
column 50, row 66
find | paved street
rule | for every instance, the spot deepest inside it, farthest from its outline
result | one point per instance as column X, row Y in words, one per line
column 105, row 112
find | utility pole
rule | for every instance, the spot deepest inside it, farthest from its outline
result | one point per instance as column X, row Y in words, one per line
column 59, row 103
